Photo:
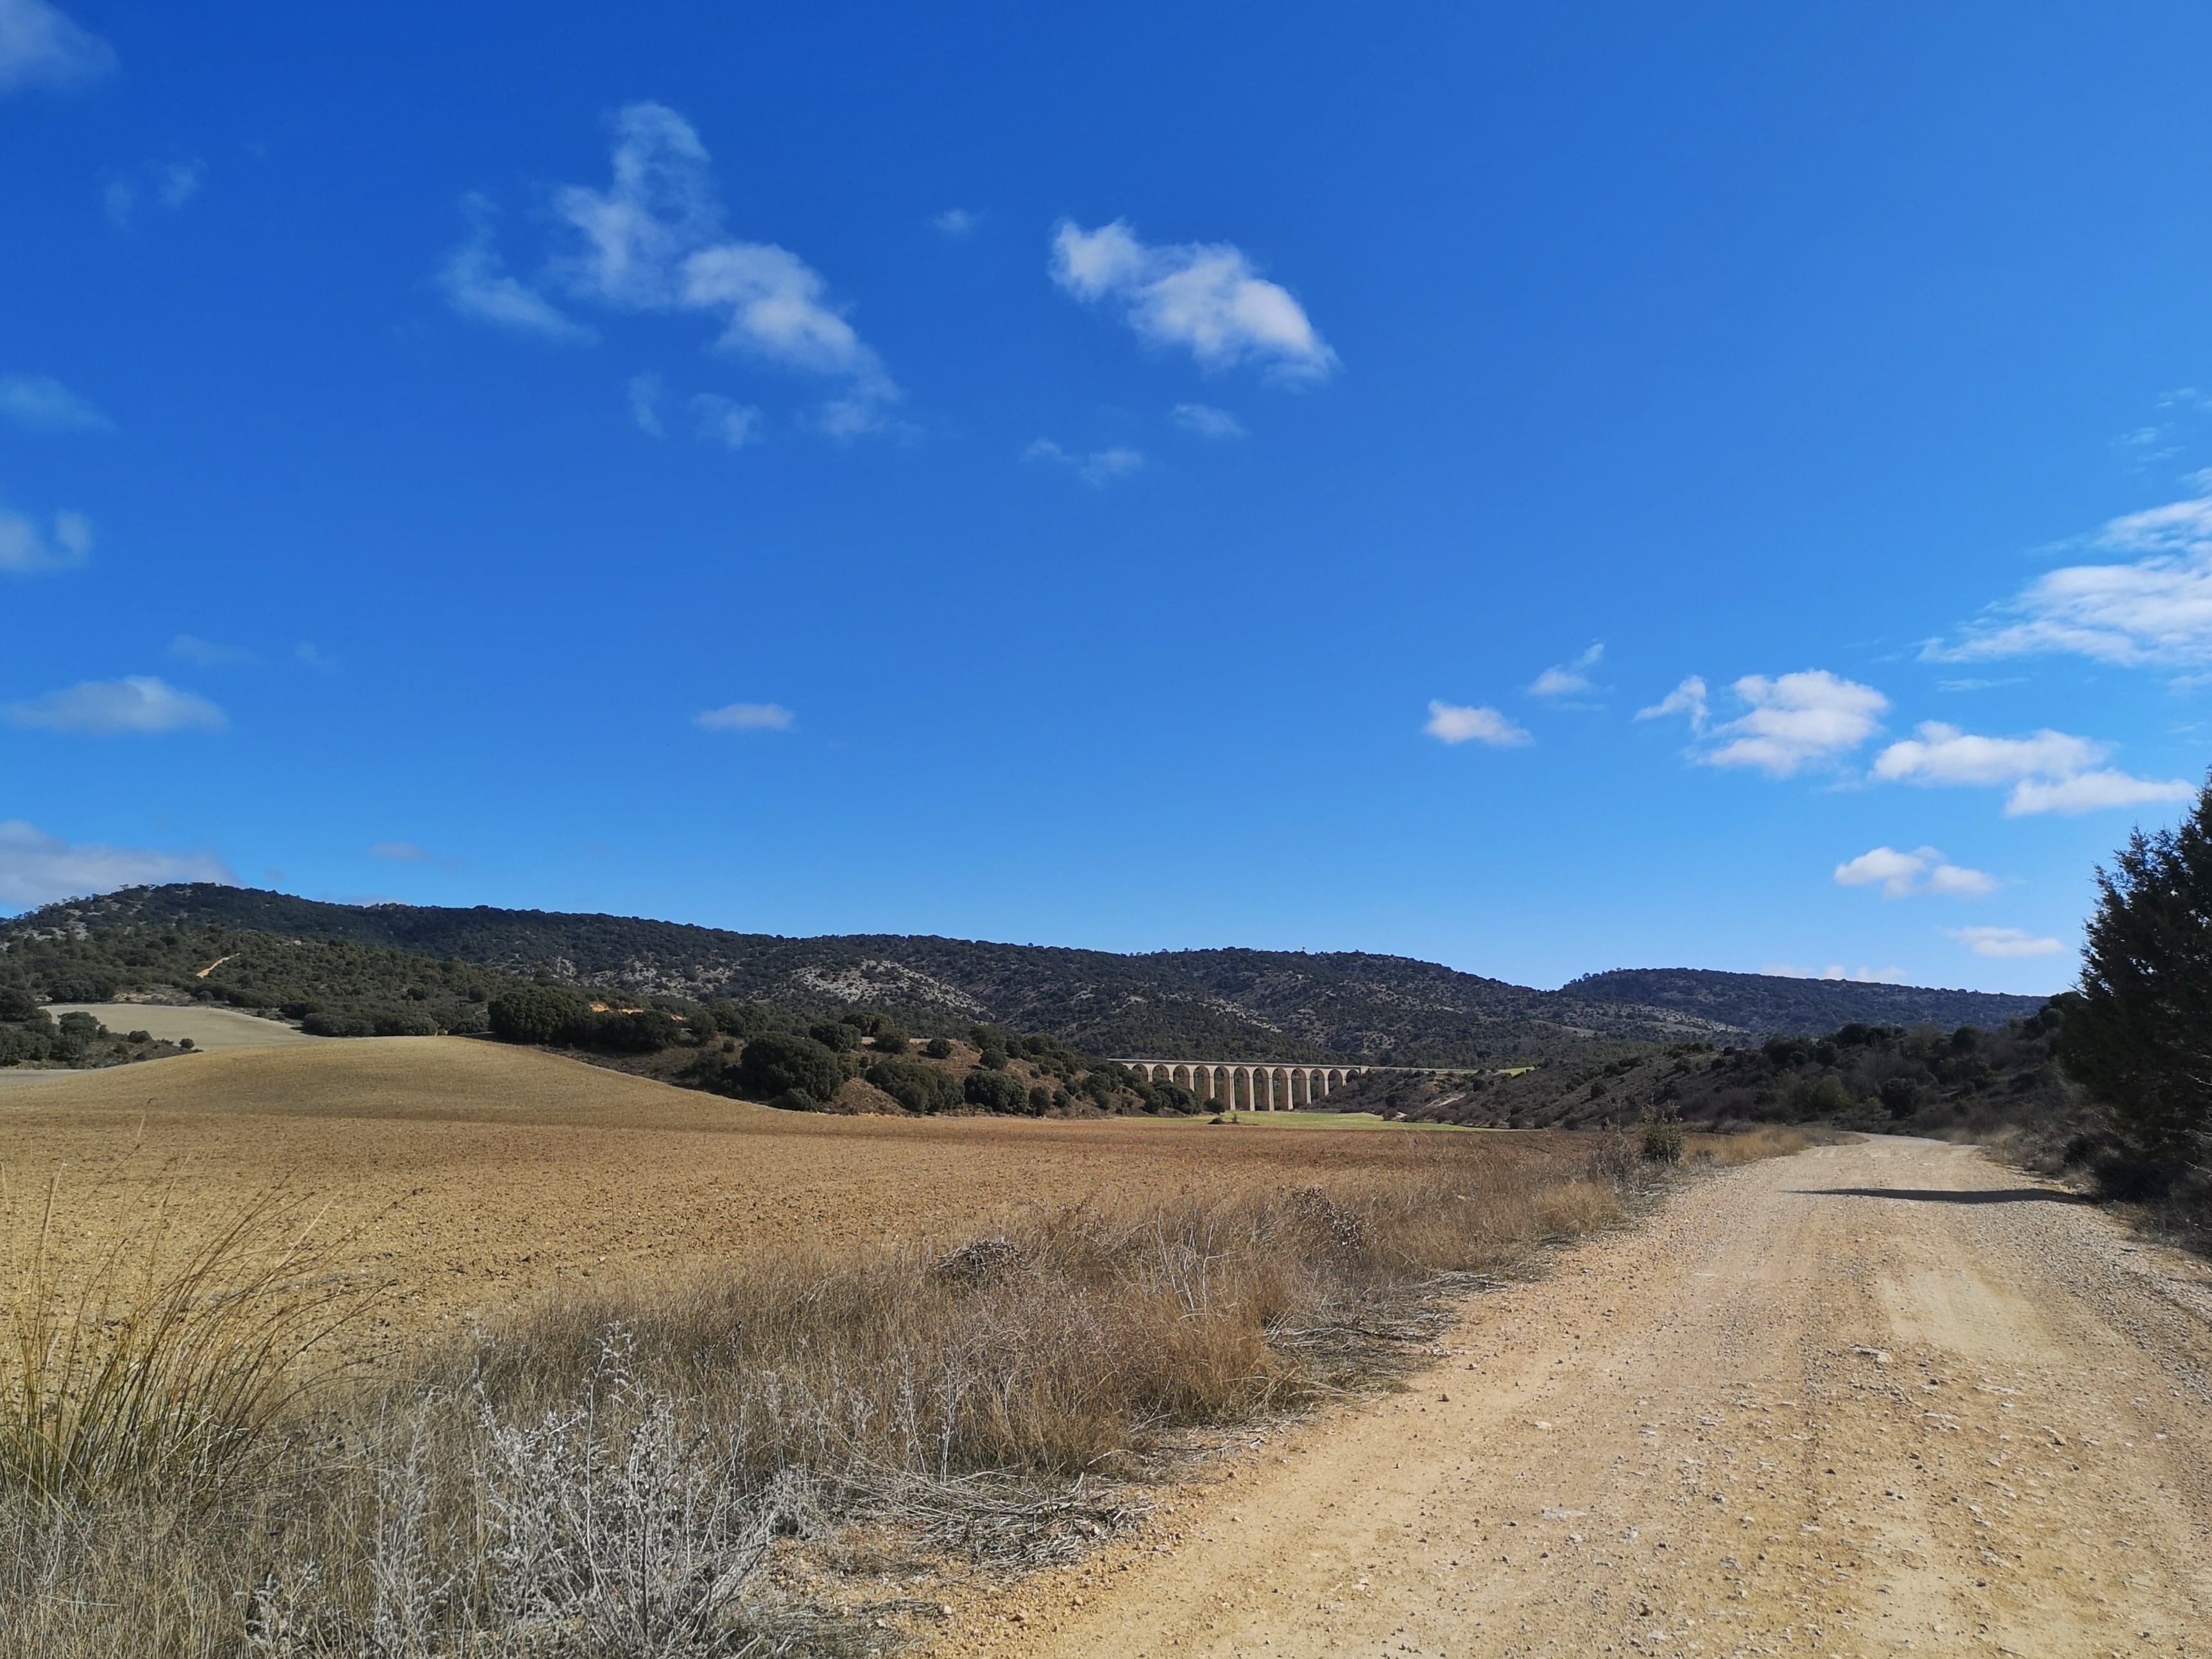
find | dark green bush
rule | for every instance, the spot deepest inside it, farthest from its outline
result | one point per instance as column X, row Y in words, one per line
column 339, row 1025
column 917, row 1087
column 890, row 1038
column 648, row 1031
column 939, row 1048
column 836, row 1035
column 1040, row 1100
column 780, row 1062
column 16, row 1003
column 403, row 1022
column 996, row 1091
column 538, row 1013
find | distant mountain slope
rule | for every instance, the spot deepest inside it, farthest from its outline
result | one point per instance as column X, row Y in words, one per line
column 1769, row 1002
column 1215, row 1004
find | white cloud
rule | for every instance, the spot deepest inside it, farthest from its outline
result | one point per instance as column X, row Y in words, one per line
column 39, row 46
column 745, row 717
column 653, row 240
column 39, row 403
column 2152, row 612
column 2090, row 791
column 101, row 708
column 1795, row 720
column 1205, row 296
column 1903, row 874
column 1206, row 421
column 37, row 868
column 477, row 285
column 1451, row 723
column 169, row 184
column 1892, row 975
column 206, row 653
column 400, row 852
column 24, row 547
column 1688, row 698
column 2048, row 771
column 953, row 222
column 726, row 422
column 2004, row 941
column 308, row 655
column 1099, row 467
column 1571, row 678
column 645, row 404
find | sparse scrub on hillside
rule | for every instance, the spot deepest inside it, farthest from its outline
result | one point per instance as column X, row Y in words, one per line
column 609, row 1473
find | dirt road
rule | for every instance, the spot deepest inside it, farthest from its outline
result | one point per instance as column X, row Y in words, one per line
column 1868, row 1399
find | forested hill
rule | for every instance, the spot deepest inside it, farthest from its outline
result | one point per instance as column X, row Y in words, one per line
column 1224, row 1004
column 1770, row 1002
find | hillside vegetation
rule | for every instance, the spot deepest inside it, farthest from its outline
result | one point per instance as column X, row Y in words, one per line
column 1211, row 1004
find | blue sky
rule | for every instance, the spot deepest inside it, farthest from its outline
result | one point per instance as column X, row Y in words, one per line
column 1543, row 489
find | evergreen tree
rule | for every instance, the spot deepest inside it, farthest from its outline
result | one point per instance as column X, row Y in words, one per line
column 2139, row 1039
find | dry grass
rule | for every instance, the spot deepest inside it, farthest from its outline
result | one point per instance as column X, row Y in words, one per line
column 603, row 1472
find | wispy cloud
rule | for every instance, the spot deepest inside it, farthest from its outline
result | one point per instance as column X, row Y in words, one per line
column 1454, row 723
column 1902, row 875
column 1688, row 699
column 953, row 222
column 1206, row 421
column 1571, row 678
column 478, row 285
column 1205, row 297
column 2005, row 941
column 1099, row 467
column 39, row 46
column 167, row 185
column 726, row 422
column 25, row 549
column 1790, row 723
column 652, row 239
column 401, row 852
column 2151, row 611
column 207, row 654
column 2047, row 771
column 645, row 392
column 39, row 869
column 38, row 403
column 745, row 717
column 137, row 704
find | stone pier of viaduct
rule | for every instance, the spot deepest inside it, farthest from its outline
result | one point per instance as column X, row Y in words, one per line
column 1256, row 1084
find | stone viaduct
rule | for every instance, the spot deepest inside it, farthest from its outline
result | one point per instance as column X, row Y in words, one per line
column 1257, row 1085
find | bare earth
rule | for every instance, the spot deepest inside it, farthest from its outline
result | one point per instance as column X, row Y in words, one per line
column 1867, row 1399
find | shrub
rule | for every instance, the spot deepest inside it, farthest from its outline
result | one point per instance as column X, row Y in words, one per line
column 890, row 1039
column 648, row 1031
column 338, row 1025
column 1040, row 1100
column 780, row 1062
column 836, row 1035
column 16, row 1003
column 1662, row 1141
column 939, row 1048
column 537, row 1014
column 403, row 1022
column 918, row 1088
column 995, row 1091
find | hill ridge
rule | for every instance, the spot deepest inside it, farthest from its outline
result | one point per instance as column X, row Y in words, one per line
column 1219, row 1003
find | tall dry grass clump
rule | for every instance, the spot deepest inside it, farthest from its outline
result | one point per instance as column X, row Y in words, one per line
column 603, row 1475
column 165, row 1364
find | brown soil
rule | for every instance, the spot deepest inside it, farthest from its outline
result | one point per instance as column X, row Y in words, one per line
column 1872, row 1398
column 484, row 1172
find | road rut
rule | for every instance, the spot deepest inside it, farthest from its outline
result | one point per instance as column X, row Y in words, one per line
column 1881, row 1397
